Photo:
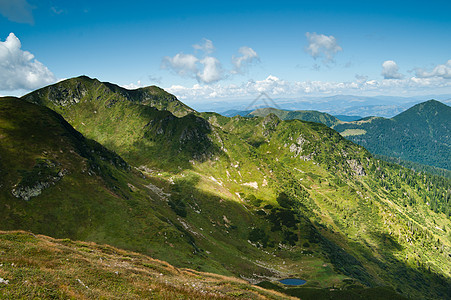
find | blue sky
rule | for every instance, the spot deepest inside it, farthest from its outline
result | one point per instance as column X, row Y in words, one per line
column 203, row 51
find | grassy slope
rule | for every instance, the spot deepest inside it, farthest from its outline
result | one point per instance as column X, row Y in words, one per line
column 366, row 215
column 143, row 121
column 100, row 199
column 72, row 91
column 420, row 134
column 46, row 268
column 386, row 239
column 92, row 200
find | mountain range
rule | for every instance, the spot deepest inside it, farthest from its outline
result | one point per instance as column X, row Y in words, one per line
column 348, row 105
column 257, row 198
column 421, row 134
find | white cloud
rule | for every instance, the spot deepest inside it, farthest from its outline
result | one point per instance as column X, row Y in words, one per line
column 271, row 85
column 390, row 70
column 19, row 69
column 441, row 71
column 211, row 71
column 277, row 87
column 208, row 69
column 182, row 64
column 241, row 63
column 133, row 86
column 207, row 46
column 321, row 45
column 19, row 11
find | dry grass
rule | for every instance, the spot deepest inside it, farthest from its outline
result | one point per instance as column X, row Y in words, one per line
column 38, row 266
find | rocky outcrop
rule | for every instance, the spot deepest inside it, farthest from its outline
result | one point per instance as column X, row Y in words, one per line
column 296, row 147
column 356, row 167
column 43, row 175
column 269, row 124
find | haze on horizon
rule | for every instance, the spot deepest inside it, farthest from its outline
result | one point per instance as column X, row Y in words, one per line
column 203, row 52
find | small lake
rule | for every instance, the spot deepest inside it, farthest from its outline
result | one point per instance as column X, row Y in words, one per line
column 293, row 281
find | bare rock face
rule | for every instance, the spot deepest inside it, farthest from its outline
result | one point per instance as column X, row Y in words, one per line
column 296, row 147
column 43, row 175
column 269, row 124
column 356, row 167
column 64, row 96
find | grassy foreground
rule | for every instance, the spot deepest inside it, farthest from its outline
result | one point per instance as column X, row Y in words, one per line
column 40, row 267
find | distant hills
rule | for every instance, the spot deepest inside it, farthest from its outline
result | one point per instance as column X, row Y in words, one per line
column 257, row 198
column 305, row 115
column 421, row 134
column 345, row 118
column 348, row 105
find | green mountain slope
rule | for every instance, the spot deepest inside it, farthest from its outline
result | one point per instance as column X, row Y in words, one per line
column 54, row 181
column 305, row 115
column 421, row 134
column 143, row 121
column 264, row 198
column 75, row 90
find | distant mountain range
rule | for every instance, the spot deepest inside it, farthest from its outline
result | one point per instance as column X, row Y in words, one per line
column 305, row 115
column 348, row 105
column 258, row 198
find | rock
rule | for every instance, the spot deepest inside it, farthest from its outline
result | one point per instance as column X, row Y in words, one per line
column 43, row 175
column 356, row 167
column 296, row 148
column 252, row 184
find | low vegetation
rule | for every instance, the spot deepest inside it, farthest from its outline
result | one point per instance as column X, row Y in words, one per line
column 40, row 267
column 256, row 198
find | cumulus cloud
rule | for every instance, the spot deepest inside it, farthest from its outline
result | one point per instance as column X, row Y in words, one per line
column 320, row 45
column 390, row 70
column 133, row 86
column 182, row 64
column 440, row 71
column 207, row 46
column 211, row 70
column 19, row 11
column 277, row 87
column 19, row 69
column 241, row 63
column 207, row 68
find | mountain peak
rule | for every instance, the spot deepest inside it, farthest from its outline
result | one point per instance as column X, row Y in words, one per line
column 426, row 110
column 88, row 90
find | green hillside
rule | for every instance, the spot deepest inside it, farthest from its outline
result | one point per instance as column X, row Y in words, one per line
column 305, row 115
column 258, row 198
column 144, row 122
column 75, row 90
column 421, row 134
column 56, row 182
